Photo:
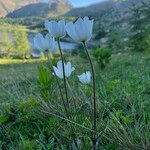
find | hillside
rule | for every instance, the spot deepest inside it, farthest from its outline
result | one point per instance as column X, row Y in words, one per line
column 54, row 7
column 92, row 10
column 109, row 14
column 109, row 6
column 7, row 6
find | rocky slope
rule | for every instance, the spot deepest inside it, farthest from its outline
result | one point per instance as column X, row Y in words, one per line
column 108, row 6
column 54, row 7
column 7, row 6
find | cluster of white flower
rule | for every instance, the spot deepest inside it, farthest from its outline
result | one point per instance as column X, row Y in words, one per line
column 80, row 31
column 59, row 70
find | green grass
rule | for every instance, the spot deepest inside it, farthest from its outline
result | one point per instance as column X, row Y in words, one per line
column 123, row 97
column 17, row 80
column 15, row 27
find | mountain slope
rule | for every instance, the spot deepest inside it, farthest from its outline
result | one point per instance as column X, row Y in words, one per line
column 109, row 6
column 41, row 9
column 7, row 6
column 92, row 10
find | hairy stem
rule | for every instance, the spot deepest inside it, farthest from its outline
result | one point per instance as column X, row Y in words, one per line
column 94, row 95
column 64, row 77
column 61, row 94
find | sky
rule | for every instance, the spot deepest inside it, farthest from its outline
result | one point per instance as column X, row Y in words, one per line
column 81, row 3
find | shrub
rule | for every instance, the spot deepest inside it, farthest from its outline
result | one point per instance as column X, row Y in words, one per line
column 100, row 34
column 102, row 56
column 138, row 42
column 148, row 42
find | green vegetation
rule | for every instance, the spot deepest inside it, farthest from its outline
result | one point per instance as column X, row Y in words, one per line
column 30, row 21
column 18, row 47
column 102, row 56
column 123, row 106
column 21, row 44
column 32, row 115
column 27, row 23
column 140, row 30
column 116, row 40
column 10, row 27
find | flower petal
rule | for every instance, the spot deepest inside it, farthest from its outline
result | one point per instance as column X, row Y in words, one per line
column 70, row 28
column 59, row 65
column 79, row 29
column 68, row 70
column 61, row 26
column 58, row 72
column 47, row 26
column 88, row 77
column 85, row 78
column 37, row 40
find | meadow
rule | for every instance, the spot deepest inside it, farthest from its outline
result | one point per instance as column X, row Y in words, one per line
column 94, row 94
column 123, row 94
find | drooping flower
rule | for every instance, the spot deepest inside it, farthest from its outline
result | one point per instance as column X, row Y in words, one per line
column 44, row 44
column 59, row 69
column 81, row 30
column 85, row 78
column 56, row 29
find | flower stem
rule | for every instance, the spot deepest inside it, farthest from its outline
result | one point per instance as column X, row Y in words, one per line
column 64, row 77
column 51, row 65
column 94, row 95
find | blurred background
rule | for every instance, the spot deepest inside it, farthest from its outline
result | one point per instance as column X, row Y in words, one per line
column 120, row 52
column 119, row 24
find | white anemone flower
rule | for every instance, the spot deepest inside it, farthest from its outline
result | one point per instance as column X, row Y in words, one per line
column 85, row 78
column 59, row 69
column 81, row 30
column 56, row 29
column 44, row 44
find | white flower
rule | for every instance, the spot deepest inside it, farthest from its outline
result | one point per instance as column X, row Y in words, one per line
column 81, row 30
column 56, row 29
column 85, row 78
column 44, row 44
column 59, row 69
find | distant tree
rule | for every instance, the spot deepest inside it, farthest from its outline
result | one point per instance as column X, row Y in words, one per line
column 101, row 33
column 24, row 46
column 5, row 38
column 6, row 46
column 16, row 42
column 21, row 44
column 116, row 40
column 140, row 28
